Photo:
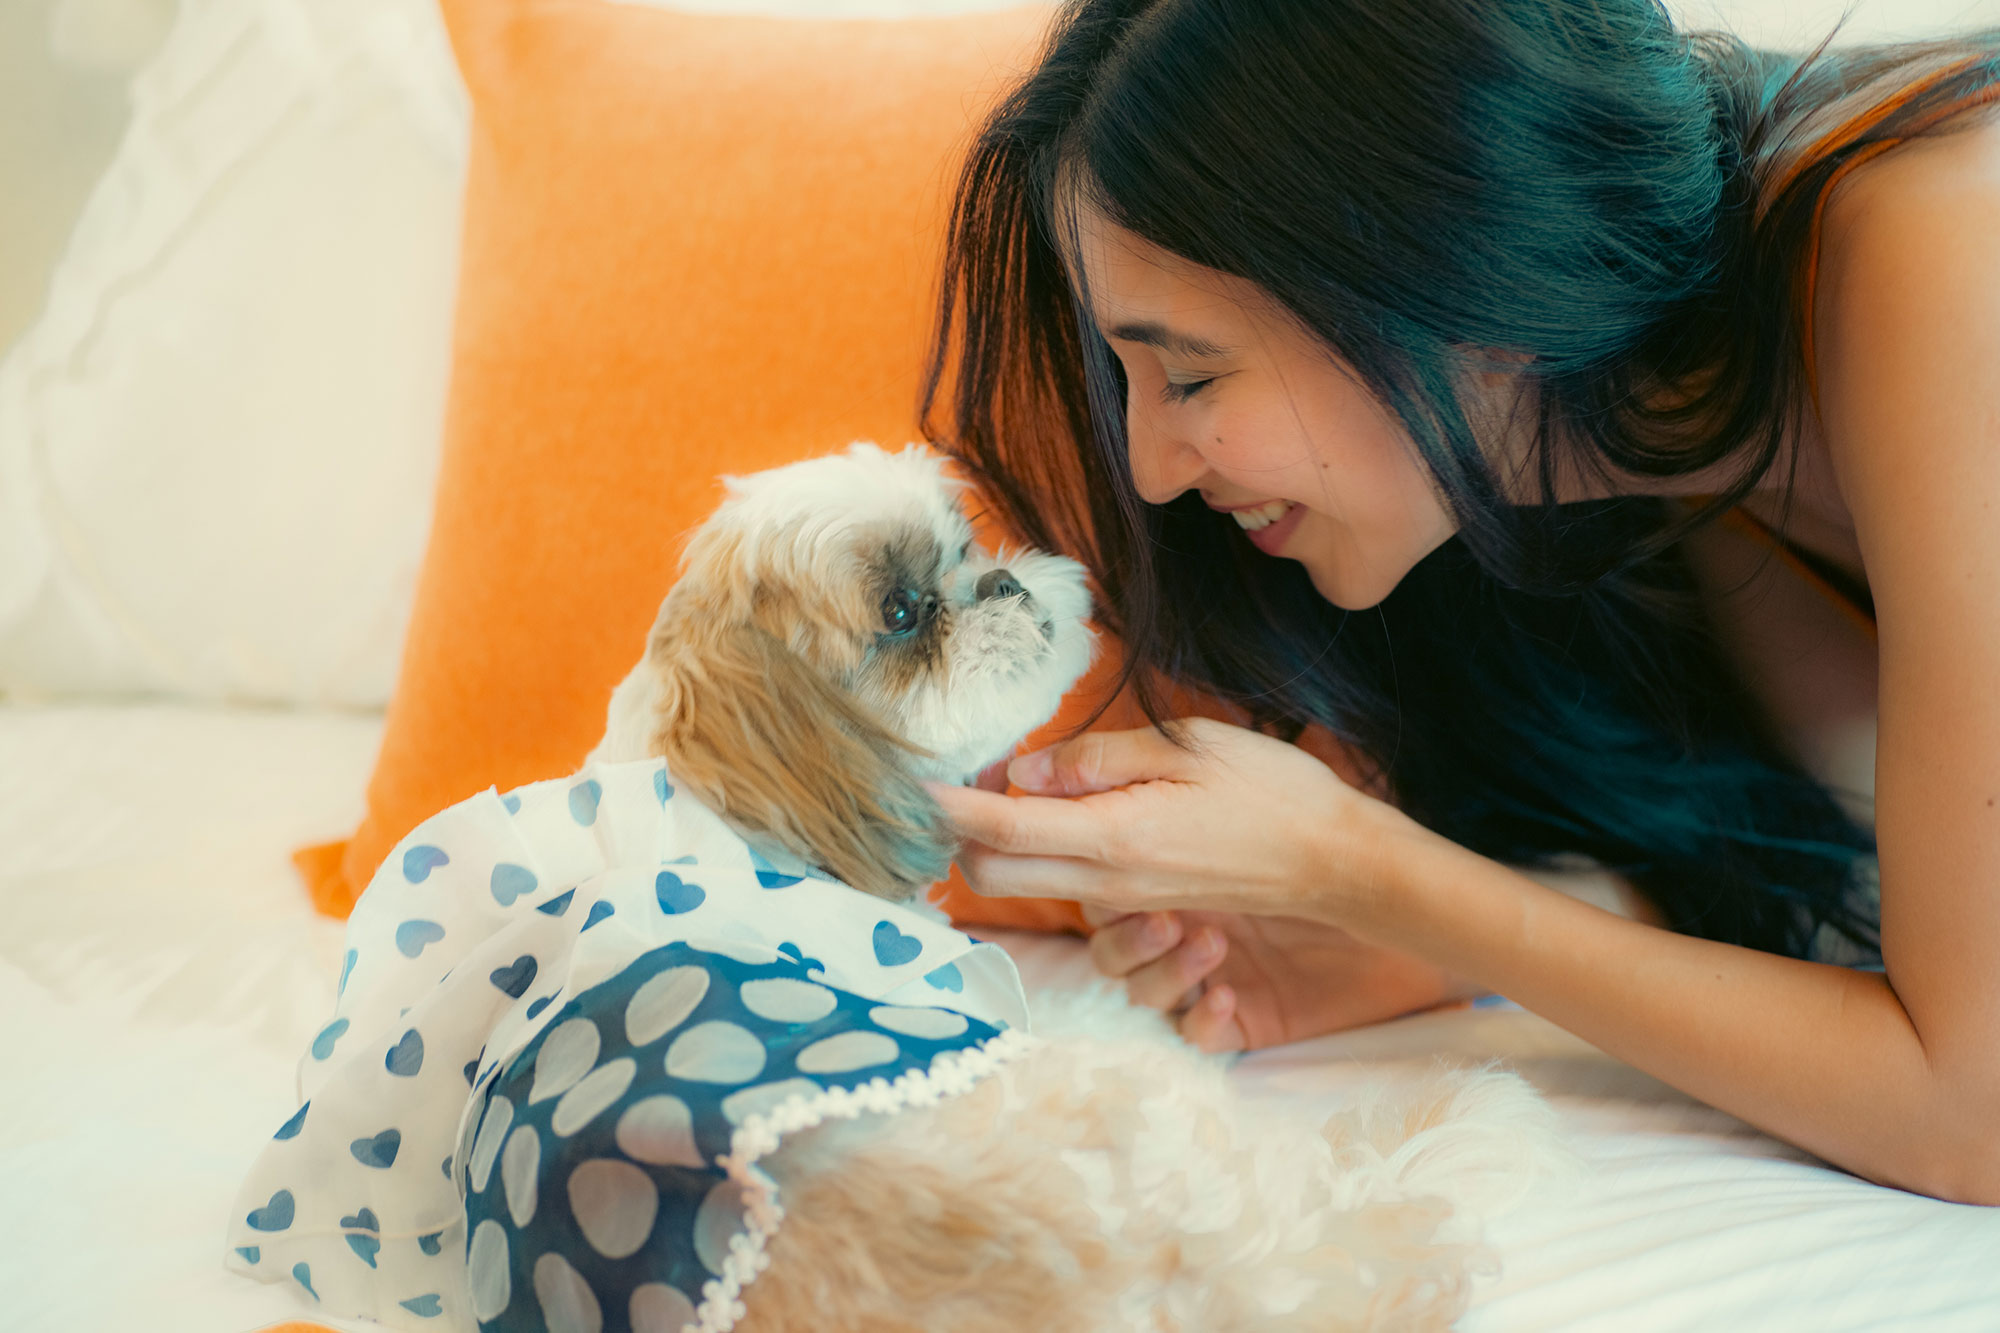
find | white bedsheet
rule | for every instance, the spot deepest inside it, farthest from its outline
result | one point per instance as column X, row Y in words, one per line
column 160, row 969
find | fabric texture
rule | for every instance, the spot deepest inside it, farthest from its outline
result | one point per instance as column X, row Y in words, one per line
column 693, row 245
column 647, row 986
column 243, row 351
column 657, row 1208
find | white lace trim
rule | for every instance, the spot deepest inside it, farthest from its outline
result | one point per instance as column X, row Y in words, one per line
column 949, row 1075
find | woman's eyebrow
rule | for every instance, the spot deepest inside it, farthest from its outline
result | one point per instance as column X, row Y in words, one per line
column 1171, row 340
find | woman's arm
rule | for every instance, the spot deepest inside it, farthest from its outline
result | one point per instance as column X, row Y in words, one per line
column 1895, row 1076
column 1825, row 1057
column 1821, row 1056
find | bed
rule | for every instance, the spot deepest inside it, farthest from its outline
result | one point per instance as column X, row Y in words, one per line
column 160, row 972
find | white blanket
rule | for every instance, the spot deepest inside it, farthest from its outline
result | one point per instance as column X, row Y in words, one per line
column 160, row 970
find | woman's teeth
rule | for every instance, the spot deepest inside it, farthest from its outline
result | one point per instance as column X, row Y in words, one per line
column 1263, row 516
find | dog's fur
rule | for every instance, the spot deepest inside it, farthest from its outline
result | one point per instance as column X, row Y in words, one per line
column 1111, row 1179
column 773, row 691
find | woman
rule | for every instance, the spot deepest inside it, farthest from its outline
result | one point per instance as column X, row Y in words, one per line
column 1581, row 395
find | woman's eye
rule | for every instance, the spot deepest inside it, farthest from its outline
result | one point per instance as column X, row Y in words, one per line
column 1180, row 393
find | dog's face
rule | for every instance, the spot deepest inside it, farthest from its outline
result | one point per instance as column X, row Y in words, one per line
column 836, row 638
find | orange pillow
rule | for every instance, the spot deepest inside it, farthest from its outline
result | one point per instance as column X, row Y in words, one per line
column 692, row 245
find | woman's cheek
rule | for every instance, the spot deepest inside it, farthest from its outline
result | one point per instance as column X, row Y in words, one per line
column 1263, row 452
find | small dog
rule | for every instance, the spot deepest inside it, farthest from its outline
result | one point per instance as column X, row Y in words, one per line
column 837, row 638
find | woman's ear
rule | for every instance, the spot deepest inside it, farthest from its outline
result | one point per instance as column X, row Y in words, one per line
column 767, row 742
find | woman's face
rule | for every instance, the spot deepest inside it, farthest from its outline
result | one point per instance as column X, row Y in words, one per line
column 1228, row 396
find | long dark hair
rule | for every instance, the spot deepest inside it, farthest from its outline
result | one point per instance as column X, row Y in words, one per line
column 1575, row 181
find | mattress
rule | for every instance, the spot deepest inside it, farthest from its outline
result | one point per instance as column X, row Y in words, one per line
column 160, row 970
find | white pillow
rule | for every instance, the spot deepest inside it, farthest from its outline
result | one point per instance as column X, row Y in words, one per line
column 218, row 444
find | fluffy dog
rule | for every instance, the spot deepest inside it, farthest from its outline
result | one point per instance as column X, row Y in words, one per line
column 673, row 1043
column 835, row 639
column 837, row 636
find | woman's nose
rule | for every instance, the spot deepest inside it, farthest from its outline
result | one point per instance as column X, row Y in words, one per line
column 1163, row 463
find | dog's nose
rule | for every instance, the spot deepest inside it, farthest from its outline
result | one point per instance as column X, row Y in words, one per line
column 996, row 583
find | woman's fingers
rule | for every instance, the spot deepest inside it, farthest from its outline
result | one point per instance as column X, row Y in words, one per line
column 1098, row 761
column 1098, row 917
column 1129, row 943
column 1024, row 825
column 1210, row 1023
column 1165, row 982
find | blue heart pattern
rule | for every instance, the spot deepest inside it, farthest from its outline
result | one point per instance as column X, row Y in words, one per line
column 802, row 958
column 947, row 977
column 432, row 1243
column 512, row 802
column 290, row 1129
column 769, row 876
column 661, row 787
column 322, row 1045
column 557, row 905
column 252, row 1253
column 892, row 947
column 583, row 799
column 367, row 1246
column 412, row 936
column 346, row 968
column 676, row 895
column 536, row 1006
column 406, row 1057
column 379, row 1151
column 273, row 1216
column 419, row 861
column 305, row 1274
column 516, row 977
column 426, row 1306
column 598, row 911
column 510, row 882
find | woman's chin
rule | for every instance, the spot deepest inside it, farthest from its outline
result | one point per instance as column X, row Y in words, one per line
column 1346, row 592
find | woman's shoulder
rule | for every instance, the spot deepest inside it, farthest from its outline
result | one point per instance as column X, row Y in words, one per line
column 1907, row 283
column 1926, row 208
column 1907, row 368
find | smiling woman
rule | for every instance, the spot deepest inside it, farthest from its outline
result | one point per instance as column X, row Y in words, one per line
column 1230, row 396
column 1475, row 317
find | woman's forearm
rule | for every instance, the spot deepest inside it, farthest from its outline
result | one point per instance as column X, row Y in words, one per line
column 1821, row 1056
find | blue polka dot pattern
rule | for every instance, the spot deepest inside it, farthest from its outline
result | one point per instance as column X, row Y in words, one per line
column 461, row 972
column 614, row 1115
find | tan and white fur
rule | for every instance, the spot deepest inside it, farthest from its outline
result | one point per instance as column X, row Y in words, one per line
column 1112, row 1178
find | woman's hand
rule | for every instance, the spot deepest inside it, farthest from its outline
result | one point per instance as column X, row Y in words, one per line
column 1234, row 822
column 1238, row 982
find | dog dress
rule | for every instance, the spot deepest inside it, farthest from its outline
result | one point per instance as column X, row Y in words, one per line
column 570, row 1020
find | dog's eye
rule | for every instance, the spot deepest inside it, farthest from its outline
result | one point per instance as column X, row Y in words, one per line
column 904, row 610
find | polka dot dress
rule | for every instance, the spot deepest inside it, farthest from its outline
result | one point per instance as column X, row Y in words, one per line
column 569, row 1020
column 594, row 1189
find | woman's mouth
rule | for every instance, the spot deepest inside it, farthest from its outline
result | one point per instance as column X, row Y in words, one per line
column 1267, row 525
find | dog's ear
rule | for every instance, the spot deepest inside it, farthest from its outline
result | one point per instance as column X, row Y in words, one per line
column 763, row 739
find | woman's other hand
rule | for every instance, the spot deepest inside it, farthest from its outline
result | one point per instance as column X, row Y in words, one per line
column 1235, row 982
